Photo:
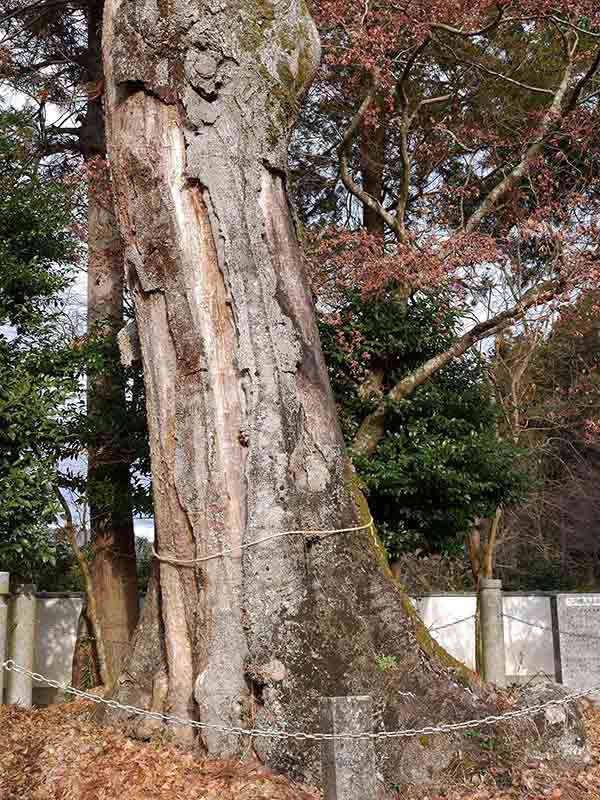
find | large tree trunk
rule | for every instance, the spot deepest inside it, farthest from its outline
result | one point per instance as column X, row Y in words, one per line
column 111, row 521
column 244, row 436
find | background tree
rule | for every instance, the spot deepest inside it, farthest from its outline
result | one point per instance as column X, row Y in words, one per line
column 553, row 408
column 51, row 52
column 475, row 186
column 440, row 465
column 37, row 372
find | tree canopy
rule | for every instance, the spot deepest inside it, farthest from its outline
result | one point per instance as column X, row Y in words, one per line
column 434, row 163
column 440, row 465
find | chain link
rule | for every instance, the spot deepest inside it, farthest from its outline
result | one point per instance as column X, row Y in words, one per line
column 561, row 632
column 574, row 634
column 404, row 733
column 450, row 624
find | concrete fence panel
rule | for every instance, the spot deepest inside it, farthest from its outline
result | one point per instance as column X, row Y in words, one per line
column 451, row 620
column 554, row 634
column 528, row 636
column 55, row 637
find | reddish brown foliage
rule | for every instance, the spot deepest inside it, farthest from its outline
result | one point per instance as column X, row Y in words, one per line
column 487, row 147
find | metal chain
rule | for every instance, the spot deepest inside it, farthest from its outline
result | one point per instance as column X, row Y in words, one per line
column 561, row 632
column 450, row 624
column 575, row 634
column 428, row 730
column 228, row 551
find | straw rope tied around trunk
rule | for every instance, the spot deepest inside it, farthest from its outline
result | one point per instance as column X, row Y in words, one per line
column 403, row 733
column 229, row 551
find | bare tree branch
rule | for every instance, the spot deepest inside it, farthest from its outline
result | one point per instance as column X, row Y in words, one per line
column 372, row 427
column 17, row 12
column 593, row 68
column 92, row 610
column 405, row 179
column 507, row 78
column 404, row 129
column 553, row 114
column 574, row 27
column 440, row 26
column 406, row 72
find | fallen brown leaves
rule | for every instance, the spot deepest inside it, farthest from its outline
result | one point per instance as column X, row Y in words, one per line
column 57, row 753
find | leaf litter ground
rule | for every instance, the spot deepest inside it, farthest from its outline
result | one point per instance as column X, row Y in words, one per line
column 58, row 753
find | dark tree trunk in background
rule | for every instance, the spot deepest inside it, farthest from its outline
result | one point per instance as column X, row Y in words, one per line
column 84, row 670
column 372, row 161
column 243, row 428
column 111, row 520
column 49, row 60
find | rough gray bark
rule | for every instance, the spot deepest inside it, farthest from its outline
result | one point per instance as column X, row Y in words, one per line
column 245, row 442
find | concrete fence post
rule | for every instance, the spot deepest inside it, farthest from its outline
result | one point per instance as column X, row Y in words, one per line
column 4, row 583
column 348, row 765
column 492, row 631
column 19, row 688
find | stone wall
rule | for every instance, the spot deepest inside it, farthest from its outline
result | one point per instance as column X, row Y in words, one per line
column 57, row 616
column 554, row 634
column 557, row 635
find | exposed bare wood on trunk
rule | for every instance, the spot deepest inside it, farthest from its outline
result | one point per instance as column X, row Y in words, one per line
column 111, row 522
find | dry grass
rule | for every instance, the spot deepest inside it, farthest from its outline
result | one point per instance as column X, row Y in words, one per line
column 59, row 754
